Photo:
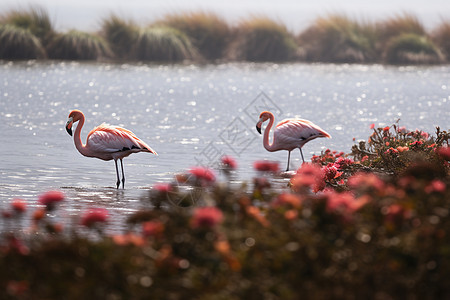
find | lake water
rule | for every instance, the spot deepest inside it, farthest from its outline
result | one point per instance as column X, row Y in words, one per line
column 190, row 115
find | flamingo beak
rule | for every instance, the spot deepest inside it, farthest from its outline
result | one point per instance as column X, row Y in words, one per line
column 258, row 126
column 69, row 126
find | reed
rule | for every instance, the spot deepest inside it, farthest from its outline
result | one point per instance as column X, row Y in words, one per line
column 163, row 43
column 19, row 43
column 337, row 38
column 77, row 45
column 260, row 39
column 121, row 35
column 441, row 36
column 410, row 48
column 209, row 33
column 35, row 19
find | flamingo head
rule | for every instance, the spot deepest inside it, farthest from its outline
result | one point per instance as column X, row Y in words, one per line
column 264, row 116
column 74, row 116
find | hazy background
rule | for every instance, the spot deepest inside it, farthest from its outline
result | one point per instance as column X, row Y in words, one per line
column 86, row 14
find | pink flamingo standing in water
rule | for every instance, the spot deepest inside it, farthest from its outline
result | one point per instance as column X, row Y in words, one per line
column 289, row 134
column 106, row 142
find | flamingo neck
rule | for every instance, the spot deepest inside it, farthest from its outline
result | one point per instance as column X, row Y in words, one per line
column 269, row 146
column 77, row 138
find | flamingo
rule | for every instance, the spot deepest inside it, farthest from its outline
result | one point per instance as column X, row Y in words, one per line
column 289, row 134
column 106, row 142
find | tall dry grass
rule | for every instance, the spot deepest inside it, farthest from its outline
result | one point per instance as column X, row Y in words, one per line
column 77, row 45
column 19, row 43
column 209, row 33
column 35, row 19
column 163, row 44
column 441, row 36
column 337, row 38
column 261, row 39
column 121, row 35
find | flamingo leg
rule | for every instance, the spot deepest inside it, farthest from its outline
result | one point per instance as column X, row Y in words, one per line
column 123, row 174
column 302, row 154
column 289, row 158
column 117, row 172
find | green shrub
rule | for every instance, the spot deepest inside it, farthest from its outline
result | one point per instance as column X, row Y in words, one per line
column 121, row 36
column 77, row 45
column 209, row 33
column 336, row 38
column 441, row 36
column 410, row 48
column 35, row 19
column 19, row 43
column 162, row 43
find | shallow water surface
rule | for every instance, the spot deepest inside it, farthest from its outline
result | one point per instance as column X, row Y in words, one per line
column 191, row 115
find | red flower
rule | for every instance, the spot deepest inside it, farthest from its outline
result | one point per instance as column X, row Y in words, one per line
column 386, row 129
column 19, row 205
column 372, row 126
column 94, row 216
column 331, row 171
column 50, row 198
column 229, row 162
column 203, row 175
column 153, row 228
column 206, row 217
column 266, row 166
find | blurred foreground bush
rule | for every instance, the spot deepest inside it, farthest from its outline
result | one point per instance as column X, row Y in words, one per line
column 368, row 225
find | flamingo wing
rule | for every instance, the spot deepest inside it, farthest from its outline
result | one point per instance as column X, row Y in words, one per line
column 109, row 139
column 293, row 133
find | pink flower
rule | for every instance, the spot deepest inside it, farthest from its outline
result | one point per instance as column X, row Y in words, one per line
column 50, row 198
column 402, row 149
column 372, row 126
column 19, row 205
column 331, row 171
column 344, row 202
column 342, row 162
column 94, row 216
column 435, row 186
column 162, row 187
column 206, row 217
column 266, row 166
column 308, row 176
column 402, row 129
column 366, row 181
column 391, row 151
column 203, row 175
column 444, row 152
column 287, row 199
column 229, row 162
column 153, row 228
column 425, row 135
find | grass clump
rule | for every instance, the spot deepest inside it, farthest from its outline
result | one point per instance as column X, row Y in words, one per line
column 261, row 39
column 121, row 35
column 163, row 43
column 77, row 45
column 441, row 36
column 410, row 48
column 209, row 33
column 35, row 19
column 19, row 43
column 337, row 38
